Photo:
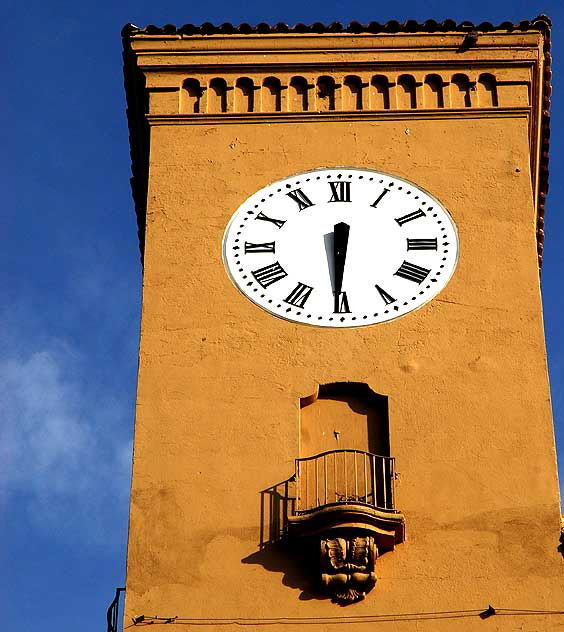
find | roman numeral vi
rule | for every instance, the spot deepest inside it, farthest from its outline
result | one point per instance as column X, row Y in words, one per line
column 341, row 305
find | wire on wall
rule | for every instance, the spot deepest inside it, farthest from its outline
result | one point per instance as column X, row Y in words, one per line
column 481, row 613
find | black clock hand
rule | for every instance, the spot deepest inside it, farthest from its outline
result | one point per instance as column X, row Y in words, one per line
column 340, row 243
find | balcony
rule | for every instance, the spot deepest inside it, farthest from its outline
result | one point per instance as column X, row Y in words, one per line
column 346, row 490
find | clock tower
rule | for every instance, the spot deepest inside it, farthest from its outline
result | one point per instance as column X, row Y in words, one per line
column 343, row 411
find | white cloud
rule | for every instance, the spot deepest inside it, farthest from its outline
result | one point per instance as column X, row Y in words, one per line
column 62, row 449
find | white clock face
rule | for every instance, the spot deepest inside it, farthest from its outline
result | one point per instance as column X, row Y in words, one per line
column 341, row 247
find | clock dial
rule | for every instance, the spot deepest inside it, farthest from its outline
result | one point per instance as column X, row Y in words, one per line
column 341, row 247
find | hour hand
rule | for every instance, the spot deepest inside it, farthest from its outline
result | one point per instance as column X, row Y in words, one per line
column 340, row 243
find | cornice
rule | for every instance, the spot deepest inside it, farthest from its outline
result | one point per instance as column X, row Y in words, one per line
column 319, row 66
column 543, row 164
column 319, row 117
column 136, row 94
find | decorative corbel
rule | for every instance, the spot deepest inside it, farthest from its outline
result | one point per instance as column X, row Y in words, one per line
column 347, row 567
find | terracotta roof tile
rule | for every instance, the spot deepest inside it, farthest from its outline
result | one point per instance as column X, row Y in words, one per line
column 540, row 23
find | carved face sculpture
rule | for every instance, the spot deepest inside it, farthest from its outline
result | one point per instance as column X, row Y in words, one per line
column 347, row 566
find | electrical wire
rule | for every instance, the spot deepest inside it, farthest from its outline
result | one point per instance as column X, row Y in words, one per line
column 143, row 620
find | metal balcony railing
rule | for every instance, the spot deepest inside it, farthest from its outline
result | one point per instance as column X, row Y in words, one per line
column 344, row 476
column 112, row 615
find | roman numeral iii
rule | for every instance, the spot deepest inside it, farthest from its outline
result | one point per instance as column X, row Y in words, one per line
column 300, row 198
column 340, row 191
column 269, row 274
column 299, row 295
column 410, row 217
column 412, row 272
column 266, row 247
column 422, row 244
column 277, row 222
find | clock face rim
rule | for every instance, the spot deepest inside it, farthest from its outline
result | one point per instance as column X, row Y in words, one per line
column 284, row 180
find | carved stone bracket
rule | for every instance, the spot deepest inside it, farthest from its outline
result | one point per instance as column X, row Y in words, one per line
column 345, row 505
column 347, row 567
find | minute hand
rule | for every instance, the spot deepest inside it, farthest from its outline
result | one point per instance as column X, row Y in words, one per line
column 340, row 243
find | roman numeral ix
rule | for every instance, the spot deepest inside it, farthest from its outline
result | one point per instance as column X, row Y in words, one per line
column 299, row 295
column 277, row 222
column 422, row 244
column 412, row 272
column 300, row 198
column 266, row 247
column 340, row 191
column 269, row 274
column 410, row 217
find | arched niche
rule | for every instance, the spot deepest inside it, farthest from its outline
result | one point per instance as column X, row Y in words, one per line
column 244, row 95
column 433, row 96
column 271, row 95
column 406, row 93
column 344, row 416
column 217, row 96
column 190, row 97
column 352, row 93
column 487, row 91
column 298, row 95
column 379, row 93
column 460, row 91
column 325, row 94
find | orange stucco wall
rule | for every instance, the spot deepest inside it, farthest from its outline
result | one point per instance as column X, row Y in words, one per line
column 220, row 380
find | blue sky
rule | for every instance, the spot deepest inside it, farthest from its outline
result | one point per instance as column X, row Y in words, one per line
column 71, row 282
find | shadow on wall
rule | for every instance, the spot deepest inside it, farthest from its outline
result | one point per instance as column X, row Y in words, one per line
column 297, row 560
column 276, row 552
